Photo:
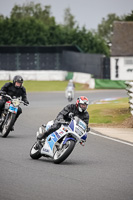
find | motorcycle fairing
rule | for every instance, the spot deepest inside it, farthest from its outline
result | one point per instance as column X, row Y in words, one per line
column 54, row 137
column 68, row 138
column 84, row 137
column 51, row 139
column 71, row 125
column 50, row 142
column 82, row 125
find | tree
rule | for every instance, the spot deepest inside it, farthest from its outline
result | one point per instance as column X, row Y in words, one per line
column 1, row 17
column 91, row 43
column 129, row 17
column 69, row 19
column 23, row 32
column 31, row 10
column 105, row 29
column 32, row 25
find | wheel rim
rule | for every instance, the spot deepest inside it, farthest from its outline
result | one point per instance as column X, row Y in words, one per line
column 5, row 127
column 59, row 153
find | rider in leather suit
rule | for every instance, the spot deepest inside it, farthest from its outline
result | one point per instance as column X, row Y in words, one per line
column 13, row 89
column 78, row 109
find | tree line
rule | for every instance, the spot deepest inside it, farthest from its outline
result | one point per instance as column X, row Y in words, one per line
column 33, row 25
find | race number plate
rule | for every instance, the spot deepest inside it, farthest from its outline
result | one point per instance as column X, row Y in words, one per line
column 13, row 109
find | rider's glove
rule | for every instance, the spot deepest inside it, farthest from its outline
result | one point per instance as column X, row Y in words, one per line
column 61, row 121
column 70, row 114
column 88, row 129
column 26, row 102
column 2, row 92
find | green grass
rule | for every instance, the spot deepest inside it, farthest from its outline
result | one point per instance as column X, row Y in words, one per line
column 33, row 86
column 113, row 112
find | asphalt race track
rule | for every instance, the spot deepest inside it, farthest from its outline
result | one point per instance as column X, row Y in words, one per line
column 101, row 170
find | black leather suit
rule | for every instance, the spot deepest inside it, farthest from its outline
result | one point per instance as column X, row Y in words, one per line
column 64, row 114
column 11, row 90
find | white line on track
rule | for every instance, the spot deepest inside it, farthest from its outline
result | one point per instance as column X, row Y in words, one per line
column 109, row 138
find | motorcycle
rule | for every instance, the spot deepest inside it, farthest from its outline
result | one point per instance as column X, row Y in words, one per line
column 59, row 144
column 8, row 114
column 69, row 93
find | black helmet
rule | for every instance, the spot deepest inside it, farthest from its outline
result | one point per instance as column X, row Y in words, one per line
column 18, row 79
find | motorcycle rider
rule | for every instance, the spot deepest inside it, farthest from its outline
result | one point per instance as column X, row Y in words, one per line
column 71, row 83
column 79, row 109
column 70, row 88
column 13, row 89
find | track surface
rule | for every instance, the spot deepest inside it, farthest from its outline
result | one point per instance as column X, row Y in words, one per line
column 101, row 170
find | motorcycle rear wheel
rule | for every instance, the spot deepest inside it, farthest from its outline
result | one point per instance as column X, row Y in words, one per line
column 35, row 153
column 61, row 155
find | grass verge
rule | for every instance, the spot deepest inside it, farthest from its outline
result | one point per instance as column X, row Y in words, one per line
column 111, row 113
column 38, row 86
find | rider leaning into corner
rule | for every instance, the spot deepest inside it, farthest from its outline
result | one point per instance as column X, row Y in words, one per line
column 79, row 109
column 13, row 89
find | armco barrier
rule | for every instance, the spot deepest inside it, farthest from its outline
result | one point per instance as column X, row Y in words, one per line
column 130, row 94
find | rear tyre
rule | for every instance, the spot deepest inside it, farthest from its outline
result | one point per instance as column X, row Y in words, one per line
column 34, row 152
column 61, row 155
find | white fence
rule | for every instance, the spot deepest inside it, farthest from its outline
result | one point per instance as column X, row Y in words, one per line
column 48, row 75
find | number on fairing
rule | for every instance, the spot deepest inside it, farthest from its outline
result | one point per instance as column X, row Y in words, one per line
column 13, row 109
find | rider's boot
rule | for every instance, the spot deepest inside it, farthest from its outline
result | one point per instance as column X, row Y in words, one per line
column 45, row 133
column 42, row 136
column 39, row 144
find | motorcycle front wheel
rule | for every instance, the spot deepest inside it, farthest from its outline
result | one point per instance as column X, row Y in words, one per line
column 61, row 154
column 35, row 153
column 7, row 125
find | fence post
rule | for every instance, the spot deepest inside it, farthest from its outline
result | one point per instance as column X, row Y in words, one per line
column 130, row 94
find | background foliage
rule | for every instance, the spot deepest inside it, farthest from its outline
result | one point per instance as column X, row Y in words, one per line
column 32, row 24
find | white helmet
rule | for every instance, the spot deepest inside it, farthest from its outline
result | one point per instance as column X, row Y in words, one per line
column 82, row 103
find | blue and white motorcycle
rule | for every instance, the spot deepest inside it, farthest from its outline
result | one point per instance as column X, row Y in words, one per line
column 59, row 144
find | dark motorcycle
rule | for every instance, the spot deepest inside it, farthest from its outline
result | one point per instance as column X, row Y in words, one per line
column 8, row 114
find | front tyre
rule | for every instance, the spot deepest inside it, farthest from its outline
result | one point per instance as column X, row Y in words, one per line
column 35, row 153
column 7, row 125
column 62, row 154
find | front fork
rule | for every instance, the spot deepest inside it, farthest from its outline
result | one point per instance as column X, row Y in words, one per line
column 3, row 117
column 6, row 116
column 63, row 142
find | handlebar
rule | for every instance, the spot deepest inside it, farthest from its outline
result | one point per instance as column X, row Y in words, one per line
column 8, row 96
column 63, row 122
